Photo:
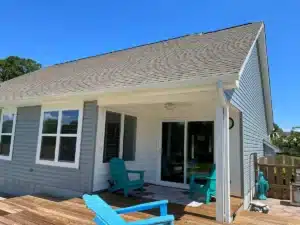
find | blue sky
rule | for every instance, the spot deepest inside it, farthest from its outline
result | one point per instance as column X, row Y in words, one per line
column 60, row 30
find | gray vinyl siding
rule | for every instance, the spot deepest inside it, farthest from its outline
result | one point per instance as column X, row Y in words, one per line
column 22, row 176
column 249, row 99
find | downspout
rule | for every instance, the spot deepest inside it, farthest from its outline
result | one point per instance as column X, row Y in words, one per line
column 254, row 154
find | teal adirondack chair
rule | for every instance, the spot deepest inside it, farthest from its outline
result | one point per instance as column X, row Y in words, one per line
column 120, row 178
column 208, row 189
column 105, row 215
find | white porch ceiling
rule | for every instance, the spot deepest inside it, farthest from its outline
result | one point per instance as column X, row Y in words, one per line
column 200, row 110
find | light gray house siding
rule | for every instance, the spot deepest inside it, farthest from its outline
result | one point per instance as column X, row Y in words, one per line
column 23, row 176
column 249, row 99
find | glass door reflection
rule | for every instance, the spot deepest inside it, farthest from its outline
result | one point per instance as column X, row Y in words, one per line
column 172, row 157
column 200, row 147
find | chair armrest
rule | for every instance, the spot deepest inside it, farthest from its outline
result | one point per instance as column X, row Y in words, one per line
column 203, row 177
column 141, row 172
column 135, row 171
column 142, row 207
column 155, row 220
column 198, row 176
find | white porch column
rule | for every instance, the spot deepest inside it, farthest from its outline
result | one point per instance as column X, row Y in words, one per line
column 222, row 158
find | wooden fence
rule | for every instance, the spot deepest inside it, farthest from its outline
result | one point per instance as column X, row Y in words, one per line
column 280, row 160
column 280, row 172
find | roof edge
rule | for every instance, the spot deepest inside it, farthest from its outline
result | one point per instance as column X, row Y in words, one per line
column 229, row 81
column 266, row 81
column 154, row 42
column 250, row 51
column 260, row 39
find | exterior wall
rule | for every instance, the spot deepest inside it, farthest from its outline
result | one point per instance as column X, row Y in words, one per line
column 147, row 146
column 249, row 99
column 145, row 156
column 235, row 155
column 22, row 176
column 148, row 142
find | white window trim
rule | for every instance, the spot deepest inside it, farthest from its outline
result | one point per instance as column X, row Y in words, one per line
column 12, row 134
column 74, row 164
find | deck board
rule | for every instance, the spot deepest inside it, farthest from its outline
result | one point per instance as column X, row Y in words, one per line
column 36, row 210
column 252, row 218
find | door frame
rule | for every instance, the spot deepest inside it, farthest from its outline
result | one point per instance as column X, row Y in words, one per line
column 183, row 185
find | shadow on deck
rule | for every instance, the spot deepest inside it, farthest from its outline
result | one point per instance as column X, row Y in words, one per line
column 181, row 212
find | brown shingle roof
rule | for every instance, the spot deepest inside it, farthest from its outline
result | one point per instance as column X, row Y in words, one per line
column 213, row 54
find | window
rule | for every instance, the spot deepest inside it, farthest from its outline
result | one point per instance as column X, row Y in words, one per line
column 120, row 136
column 112, row 136
column 59, row 138
column 129, row 138
column 8, row 122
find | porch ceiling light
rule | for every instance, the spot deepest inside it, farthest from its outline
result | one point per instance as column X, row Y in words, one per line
column 169, row 106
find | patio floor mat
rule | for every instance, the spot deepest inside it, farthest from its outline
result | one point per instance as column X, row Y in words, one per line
column 174, row 195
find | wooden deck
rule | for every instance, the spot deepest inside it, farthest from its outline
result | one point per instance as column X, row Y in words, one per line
column 32, row 210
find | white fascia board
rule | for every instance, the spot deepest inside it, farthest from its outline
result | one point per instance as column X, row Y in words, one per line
column 264, row 67
column 221, row 95
column 250, row 51
column 229, row 82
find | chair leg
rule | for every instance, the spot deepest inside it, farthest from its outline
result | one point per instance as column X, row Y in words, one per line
column 207, row 197
column 113, row 188
column 125, row 192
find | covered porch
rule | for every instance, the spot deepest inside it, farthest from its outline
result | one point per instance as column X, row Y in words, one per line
column 183, row 213
column 177, row 132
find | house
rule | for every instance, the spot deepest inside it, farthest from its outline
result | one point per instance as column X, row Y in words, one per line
column 270, row 149
column 168, row 108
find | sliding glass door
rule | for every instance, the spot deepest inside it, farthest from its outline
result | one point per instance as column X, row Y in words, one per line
column 172, row 156
column 200, row 152
column 187, row 147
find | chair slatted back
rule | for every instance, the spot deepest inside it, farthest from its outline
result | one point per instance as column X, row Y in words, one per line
column 118, row 171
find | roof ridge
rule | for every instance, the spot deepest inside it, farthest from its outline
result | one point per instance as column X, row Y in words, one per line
column 232, row 27
column 194, row 57
column 151, row 43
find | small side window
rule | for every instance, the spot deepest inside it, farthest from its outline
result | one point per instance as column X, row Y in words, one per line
column 112, row 136
column 7, row 133
column 129, row 138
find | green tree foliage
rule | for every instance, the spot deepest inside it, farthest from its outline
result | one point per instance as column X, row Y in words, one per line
column 277, row 131
column 14, row 66
column 287, row 142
